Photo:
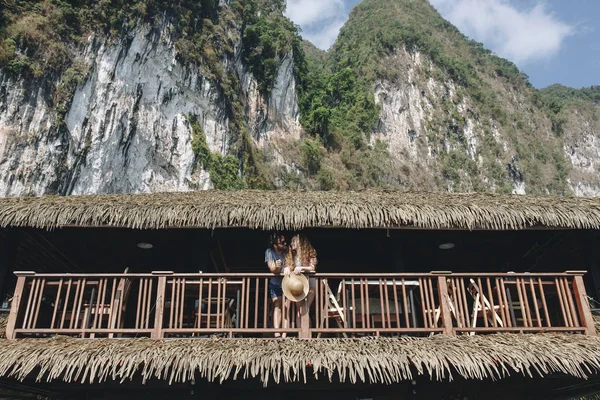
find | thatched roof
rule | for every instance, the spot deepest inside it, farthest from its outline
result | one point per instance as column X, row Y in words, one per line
column 297, row 210
column 371, row 360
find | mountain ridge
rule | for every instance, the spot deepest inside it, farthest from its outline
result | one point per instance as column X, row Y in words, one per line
column 374, row 31
column 402, row 99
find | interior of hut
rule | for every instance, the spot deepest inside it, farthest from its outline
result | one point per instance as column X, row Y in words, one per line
column 111, row 250
column 97, row 250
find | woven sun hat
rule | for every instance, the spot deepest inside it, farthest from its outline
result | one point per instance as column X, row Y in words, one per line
column 295, row 287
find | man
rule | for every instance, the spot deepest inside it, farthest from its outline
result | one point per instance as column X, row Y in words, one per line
column 275, row 259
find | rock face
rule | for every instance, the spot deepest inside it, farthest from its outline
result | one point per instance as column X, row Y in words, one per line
column 413, row 102
column 582, row 149
column 31, row 150
column 127, row 129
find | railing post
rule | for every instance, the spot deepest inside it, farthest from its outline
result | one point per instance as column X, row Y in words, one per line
column 16, row 302
column 583, row 306
column 160, row 303
column 445, row 306
column 304, row 320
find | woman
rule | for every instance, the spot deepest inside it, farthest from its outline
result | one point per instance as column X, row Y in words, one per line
column 302, row 257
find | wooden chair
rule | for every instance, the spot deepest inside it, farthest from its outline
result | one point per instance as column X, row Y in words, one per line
column 333, row 310
column 215, row 319
column 437, row 313
column 118, row 305
column 381, row 317
column 378, row 319
column 90, row 314
column 485, row 311
column 527, row 314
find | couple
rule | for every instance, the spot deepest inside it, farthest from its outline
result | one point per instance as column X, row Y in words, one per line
column 299, row 257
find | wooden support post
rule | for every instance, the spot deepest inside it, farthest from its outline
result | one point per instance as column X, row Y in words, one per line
column 304, row 320
column 8, row 255
column 583, row 306
column 590, row 240
column 16, row 303
column 445, row 306
column 160, row 303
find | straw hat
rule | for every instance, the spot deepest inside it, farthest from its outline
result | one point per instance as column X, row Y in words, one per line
column 295, row 287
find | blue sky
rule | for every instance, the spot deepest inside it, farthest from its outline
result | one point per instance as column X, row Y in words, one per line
column 552, row 41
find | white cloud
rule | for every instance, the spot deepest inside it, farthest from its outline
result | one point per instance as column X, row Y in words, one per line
column 323, row 38
column 520, row 35
column 309, row 12
column 320, row 20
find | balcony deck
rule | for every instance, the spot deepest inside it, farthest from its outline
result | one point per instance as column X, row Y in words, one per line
column 164, row 305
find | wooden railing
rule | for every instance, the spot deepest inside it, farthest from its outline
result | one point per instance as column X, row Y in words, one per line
column 166, row 305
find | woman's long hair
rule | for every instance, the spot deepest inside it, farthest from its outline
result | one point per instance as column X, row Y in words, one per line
column 305, row 252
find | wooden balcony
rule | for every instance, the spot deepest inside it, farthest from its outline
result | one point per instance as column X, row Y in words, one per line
column 168, row 305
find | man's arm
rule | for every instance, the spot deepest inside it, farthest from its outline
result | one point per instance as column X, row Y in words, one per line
column 274, row 266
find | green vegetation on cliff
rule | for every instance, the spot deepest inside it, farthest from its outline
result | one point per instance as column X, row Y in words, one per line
column 338, row 104
column 378, row 28
column 267, row 37
column 558, row 99
column 223, row 170
column 38, row 37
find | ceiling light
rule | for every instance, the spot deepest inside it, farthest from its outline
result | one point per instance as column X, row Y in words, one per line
column 145, row 246
column 446, row 246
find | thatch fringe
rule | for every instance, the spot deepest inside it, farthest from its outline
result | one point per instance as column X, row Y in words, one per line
column 3, row 323
column 371, row 360
column 296, row 210
column 596, row 318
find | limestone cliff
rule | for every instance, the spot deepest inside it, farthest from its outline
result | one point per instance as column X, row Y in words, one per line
column 402, row 100
column 450, row 114
column 126, row 127
column 422, row 120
